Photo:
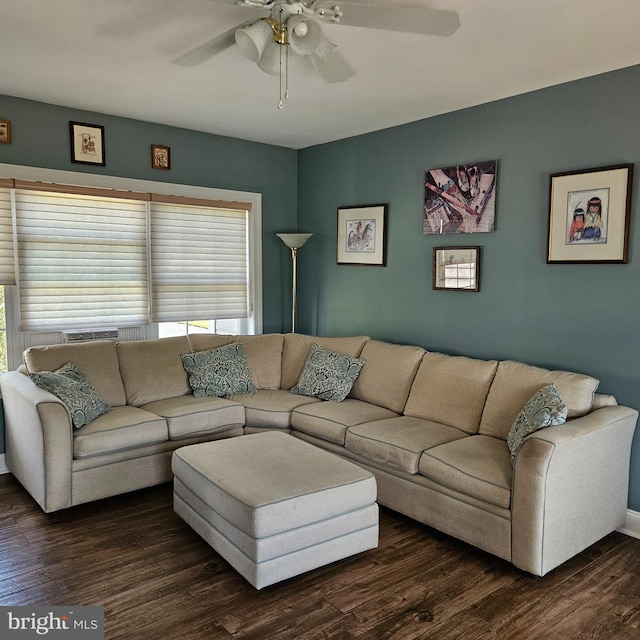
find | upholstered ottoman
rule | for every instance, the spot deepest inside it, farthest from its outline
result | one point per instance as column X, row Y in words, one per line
column 274, row 506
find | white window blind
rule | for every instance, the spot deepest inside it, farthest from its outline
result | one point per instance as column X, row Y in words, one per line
column 199, row 261
column 82, row 259
column 7, row 268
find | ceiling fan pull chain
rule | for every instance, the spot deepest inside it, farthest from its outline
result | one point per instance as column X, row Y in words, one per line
column 281, row 103
column 284, row 50
column 286, row 74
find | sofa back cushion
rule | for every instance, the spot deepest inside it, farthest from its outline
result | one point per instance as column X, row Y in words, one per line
column 296, row 348
column 388, row 372
column 263, row 352
column 98, row 361
column 152, row 369
column 451, row 390
column 205, row 341
column 516, row 382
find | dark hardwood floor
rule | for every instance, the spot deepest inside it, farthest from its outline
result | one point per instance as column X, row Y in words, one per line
column 158, row 580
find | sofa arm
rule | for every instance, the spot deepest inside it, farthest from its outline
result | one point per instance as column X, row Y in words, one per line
column 570, row 487
column 39, row 441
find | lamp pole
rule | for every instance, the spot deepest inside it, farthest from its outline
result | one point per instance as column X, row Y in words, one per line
column 294, row 287
column 294, row 241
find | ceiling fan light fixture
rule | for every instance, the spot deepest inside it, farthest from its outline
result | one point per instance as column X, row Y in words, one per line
column 324, row 50
column 305, row 35
column 270, row 60
column 253, row 40
column 330, row 63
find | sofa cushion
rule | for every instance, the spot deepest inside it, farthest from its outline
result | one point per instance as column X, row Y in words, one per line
column 205, row 341
column 68, row 384
column 270, row 408
column 451, row 390
column 263, row 352
column 386, row 377
column 398, row 442
column 296, row 349
column 330, row 420
column 152, row 369
column 189, row 416
column 544, row 409
column 477, row 466
column 218, row 372
column 97, row 360
column 327, row 374
column 120, row 429
column 515, row 383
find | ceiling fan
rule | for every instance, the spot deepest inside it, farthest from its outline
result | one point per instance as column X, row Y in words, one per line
column 296, row 25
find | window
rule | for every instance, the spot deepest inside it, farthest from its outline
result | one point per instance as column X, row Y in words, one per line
column 113, row 252
column 460, row 276
column 199, row 260
column 229, row 326
column 7, row 270
column 82, row 260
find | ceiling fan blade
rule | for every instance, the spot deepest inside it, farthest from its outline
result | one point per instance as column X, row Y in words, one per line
column 437, row 22
column 210, row 48
column 330, row 63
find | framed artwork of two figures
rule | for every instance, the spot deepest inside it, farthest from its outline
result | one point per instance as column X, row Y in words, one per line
column 589, row 215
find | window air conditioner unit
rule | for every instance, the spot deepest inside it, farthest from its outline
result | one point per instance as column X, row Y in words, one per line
column 90, row 334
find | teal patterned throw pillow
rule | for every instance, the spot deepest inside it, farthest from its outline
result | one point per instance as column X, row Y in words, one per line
column 68, row 384
column 218, row 372
column 544, row 409
column 328, row 374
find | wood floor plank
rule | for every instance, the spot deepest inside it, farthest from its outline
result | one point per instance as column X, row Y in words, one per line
column 30, row 590
column 156, row 578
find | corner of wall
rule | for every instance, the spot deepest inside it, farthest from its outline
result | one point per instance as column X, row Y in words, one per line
column 632, row 525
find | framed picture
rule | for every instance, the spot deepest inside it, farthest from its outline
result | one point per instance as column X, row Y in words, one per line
column 589, row 215
column 456, row 268
column 362, row 234
column 5, row 131
column 87, row 143
column 160, row 157
column 460, row 199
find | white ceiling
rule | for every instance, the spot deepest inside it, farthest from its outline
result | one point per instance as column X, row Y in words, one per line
column 114, row 57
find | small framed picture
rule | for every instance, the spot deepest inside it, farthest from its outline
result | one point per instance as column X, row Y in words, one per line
column 362, row 234
column 5, row 131
column 87, row 143
column 456, row 268
column 160, row 157
column 589, row 215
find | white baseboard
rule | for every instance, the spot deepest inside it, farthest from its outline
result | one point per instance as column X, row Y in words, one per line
column 632, row 526
column 3, row 464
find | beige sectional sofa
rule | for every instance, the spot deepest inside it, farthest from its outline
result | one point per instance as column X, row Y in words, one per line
column 431, row 427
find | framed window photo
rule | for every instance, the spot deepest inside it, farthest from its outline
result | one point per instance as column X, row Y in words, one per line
column 589, row 215
column 5, row 131
column 87, row 143
column 160, row 157
column 456, row 268
column 362, row 234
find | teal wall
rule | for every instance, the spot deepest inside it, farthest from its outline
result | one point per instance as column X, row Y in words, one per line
column 578, row 317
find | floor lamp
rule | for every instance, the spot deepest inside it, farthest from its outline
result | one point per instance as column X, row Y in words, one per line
column 294, row 241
